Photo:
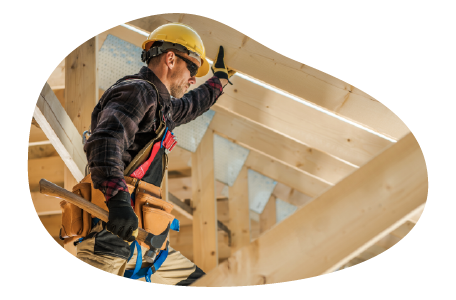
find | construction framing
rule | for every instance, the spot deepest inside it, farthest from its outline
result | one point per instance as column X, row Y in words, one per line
column 350, row 167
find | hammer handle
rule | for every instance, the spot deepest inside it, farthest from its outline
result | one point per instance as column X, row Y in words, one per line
column 53, row 190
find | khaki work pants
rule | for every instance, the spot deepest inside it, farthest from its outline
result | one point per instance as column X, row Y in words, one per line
column 175, row 270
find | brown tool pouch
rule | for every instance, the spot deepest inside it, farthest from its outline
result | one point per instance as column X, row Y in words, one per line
column 156, row 221
column 148, row 197
column 75, row 221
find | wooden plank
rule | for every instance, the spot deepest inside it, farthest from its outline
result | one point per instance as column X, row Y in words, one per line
column 204, row 204
column 179, row 159
column 336, row 226
column 292, row 177
column 70, row 249
column 238, row 202
column 60, row 130
column 281, row 147
column 403, row 230
column 285, row 115
column 250, row 57
column 307, row 125
column 414, row 218
column 292, row 196
column 268, row 216
column 50, row 168
column 81, row 85
column 81, row 96
column 57, row 78
column 45, row 205
column 379, row 281
column 37, row 134
column 183, row 241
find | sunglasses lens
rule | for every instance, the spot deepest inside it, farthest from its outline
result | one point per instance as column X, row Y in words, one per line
column 192, row 67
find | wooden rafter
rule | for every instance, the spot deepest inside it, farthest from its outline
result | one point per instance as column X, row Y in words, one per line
column 258, row 61
column 255, row 136
column 60, row 130
column 336, row 226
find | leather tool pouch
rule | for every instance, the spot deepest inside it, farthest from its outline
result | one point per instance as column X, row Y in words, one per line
column 156, row 221
column 147, row 197
column 75, row 221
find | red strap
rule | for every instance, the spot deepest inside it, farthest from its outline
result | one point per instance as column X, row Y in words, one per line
column 141, row 171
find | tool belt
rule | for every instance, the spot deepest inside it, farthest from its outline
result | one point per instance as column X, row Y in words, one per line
column 154, row 214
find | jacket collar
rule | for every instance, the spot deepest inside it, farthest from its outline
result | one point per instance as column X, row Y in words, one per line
column 147, row 74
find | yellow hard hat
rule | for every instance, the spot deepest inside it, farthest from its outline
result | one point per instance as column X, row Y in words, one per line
column 178, row 33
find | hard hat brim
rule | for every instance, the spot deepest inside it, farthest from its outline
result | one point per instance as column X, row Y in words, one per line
column 204, row 69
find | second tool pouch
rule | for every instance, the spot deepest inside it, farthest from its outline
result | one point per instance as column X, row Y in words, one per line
column 157, row 222
column 75, row 221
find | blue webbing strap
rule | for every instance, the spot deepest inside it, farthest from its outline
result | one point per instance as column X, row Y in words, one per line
column 133, row 274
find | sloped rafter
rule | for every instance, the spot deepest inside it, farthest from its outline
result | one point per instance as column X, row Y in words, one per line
column 287, row 116
column 60, row 130
column 256, row 60
column 283, row 148
column 336, row 226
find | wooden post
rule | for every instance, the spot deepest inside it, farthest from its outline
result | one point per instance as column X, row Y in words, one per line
column 268, row 216
column 81, row 96
column 69, row 249
column 204, row 203
column 239, row 211
column 81, row 85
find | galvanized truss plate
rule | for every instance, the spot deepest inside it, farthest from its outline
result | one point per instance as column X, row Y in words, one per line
column 283, row 210
column 189, row 135
column 229, row 159
column 116, row 59
column 260, row 189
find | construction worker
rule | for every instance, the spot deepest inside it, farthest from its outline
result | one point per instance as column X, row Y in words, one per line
column 137, row 111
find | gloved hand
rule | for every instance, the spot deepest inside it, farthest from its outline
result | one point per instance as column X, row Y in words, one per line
column 123, row 221
column 219, row 68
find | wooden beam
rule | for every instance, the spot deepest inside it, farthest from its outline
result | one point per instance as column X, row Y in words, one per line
column 250, row 57
column 379, row 281
column 239, row 211
column 204, row 204
column 414, row 218
column 290, row 195
column 292, row 177
column 60, row 130
column 45, row 205
column 37, row 135
column 307, row 125
column 50, row 168
column 179, row 159
column 57, row 78
column 81, row 85
column 81, row 96
column 281, row 147
column 285, row 115
column 336, row 226
column 268, row 216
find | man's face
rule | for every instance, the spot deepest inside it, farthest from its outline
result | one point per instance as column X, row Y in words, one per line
column 180, row 76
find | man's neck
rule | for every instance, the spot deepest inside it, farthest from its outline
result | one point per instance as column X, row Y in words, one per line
column 162, row 75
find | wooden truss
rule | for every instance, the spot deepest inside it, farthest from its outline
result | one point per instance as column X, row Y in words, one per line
column 358, row 191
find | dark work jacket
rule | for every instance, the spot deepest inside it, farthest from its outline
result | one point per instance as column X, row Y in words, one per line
column 126, row 117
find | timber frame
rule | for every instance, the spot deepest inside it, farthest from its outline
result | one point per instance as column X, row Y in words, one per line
column 357, row 192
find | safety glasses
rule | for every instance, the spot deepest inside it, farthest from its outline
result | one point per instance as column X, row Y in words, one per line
column 191, row 66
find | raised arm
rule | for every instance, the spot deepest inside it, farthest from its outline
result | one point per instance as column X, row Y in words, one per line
column 199, row 100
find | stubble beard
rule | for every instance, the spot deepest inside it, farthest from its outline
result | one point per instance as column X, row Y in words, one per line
column 177, row 91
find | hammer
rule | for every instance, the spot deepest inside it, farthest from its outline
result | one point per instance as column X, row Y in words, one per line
column 154, row 242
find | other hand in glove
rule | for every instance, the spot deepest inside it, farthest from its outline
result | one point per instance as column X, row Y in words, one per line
column 123, row 221
column 219, row 67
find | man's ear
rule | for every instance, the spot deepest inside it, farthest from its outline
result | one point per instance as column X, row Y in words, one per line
column 170, row 59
